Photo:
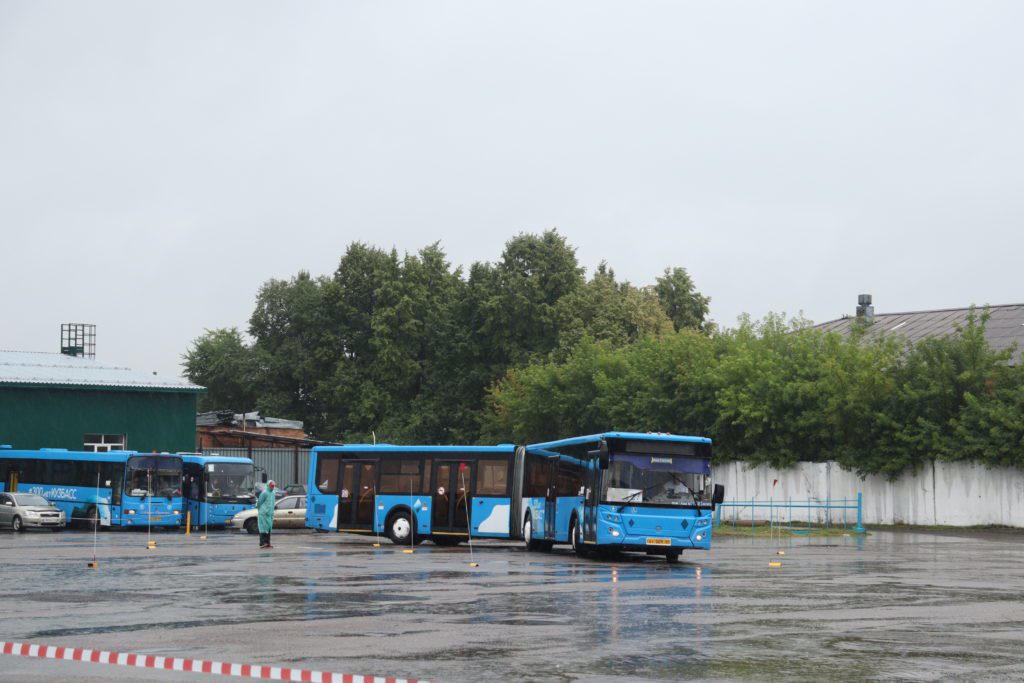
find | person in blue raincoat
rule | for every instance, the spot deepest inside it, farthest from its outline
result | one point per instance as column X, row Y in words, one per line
column 265, row 519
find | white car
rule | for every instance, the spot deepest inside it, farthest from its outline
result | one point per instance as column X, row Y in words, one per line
column 289, row 513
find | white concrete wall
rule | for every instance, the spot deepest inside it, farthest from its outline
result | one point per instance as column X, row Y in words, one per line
column 946, row 493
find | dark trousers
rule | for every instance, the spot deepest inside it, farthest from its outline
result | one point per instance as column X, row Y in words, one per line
column 264, row 539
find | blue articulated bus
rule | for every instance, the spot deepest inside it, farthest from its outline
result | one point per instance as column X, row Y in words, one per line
column 216, row 488
column 113, row 489
column 411, row 493
column 617, row 491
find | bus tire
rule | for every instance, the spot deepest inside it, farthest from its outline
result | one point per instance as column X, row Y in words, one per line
column 672, row 556
column 16, row 525
column 529, row 543
column 252, row 526
column 577, row 540
column 399, row 527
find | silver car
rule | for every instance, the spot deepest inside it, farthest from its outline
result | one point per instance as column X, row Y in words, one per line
column 289, row 513
column 23, row 511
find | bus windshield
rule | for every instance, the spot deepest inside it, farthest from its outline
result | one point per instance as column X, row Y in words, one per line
column 636, row 478
column 149, row 475
column 229, row 480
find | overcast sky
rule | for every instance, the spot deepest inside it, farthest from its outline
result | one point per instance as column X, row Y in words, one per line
column 159, row 161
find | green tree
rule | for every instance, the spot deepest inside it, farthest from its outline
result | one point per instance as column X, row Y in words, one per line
column 221, row 361
column 606, row 310
column 685, row 306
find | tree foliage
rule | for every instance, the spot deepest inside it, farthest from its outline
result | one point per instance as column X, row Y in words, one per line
column 778, row 391
column 413, row 350
column 407, row 347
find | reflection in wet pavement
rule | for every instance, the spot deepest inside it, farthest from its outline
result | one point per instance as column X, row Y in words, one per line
column 892, row 605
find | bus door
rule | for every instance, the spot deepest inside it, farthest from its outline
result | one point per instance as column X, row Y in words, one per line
column 551, row 498
column 451, row 497
column 357, row 495
column 592, row 483
column 12, row 480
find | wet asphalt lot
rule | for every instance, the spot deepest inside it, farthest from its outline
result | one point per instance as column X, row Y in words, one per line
column 894, row 605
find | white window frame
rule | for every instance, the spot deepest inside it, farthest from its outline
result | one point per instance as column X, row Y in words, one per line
column 104, row 443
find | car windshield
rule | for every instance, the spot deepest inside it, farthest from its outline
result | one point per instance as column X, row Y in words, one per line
column 664, row 479
column 229, row 480
column 152, row 475
column 31, row 500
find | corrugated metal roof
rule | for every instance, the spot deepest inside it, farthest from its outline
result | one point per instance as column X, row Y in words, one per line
column 1005, row 326
column 252, row 420
column 24, row 367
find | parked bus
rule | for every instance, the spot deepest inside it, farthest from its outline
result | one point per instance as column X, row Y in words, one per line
column 617, row 491
column 117, row 488
column 605, row 492
column 411, row 493
column 216, row 488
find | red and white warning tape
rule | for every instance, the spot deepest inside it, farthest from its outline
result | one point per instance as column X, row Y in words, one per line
column 273, row 673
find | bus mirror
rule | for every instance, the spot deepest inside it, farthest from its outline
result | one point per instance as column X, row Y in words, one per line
column 719, row 495
column 602, row 456
column 263, row 476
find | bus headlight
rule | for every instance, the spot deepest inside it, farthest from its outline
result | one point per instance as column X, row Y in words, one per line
column 613, row 532
column 611, row 517
column 129, row 512
column 699, row 537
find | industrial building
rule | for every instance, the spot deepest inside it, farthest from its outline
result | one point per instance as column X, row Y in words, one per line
column 71, row 400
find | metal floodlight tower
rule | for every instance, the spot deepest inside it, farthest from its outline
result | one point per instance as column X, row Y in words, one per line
column 78, row 339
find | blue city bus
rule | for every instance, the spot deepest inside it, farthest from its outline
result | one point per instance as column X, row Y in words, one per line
column 216, row 488
column 411, row 493
column 617, row 491
column 112, row 489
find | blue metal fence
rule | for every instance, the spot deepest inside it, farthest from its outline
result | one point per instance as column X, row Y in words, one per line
column 780, row 512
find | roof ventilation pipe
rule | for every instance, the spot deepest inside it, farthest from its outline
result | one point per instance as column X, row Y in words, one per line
column 865, row 310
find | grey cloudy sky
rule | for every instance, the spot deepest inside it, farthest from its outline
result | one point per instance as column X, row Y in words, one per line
column 159, row 161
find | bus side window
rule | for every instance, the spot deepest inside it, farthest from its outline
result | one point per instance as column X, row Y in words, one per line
column 492, row 479
column 570, row 479
column 425, row 488
column 537, row 476
column 399, row 476
column 327, row 476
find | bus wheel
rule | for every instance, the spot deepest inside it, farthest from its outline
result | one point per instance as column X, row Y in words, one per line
column 529, row 543
column 672, row 557
column 252, row 526
column 17, row 525
column 577, row 542
column 399, row 528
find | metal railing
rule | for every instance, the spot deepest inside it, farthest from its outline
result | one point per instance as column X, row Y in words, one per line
column 780, row 512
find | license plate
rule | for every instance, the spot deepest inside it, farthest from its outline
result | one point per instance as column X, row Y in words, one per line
column 156, row 518
column 659, row 541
